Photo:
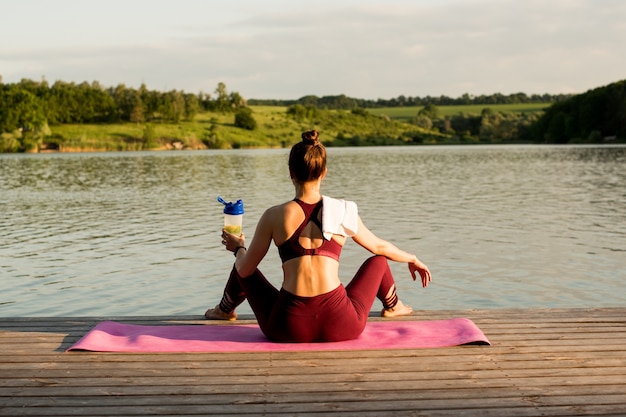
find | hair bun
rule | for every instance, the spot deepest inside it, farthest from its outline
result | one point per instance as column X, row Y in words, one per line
column 310, row 137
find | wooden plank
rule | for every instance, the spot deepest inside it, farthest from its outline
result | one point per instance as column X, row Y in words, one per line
column 542, row 362
column 296, row 360
column 356, row 408
column 150, row 394
column 313, row 400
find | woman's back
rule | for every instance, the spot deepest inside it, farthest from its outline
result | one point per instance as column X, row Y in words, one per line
column 305, row 275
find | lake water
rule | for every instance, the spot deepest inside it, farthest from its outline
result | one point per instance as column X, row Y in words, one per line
column 139, row 233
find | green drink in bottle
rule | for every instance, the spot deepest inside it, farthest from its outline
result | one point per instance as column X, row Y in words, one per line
column 233, row 216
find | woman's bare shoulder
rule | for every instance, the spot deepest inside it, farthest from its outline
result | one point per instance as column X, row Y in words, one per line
column 279, row 220
column 282, row 211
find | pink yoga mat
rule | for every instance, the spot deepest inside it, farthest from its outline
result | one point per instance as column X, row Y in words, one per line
column 111, row 336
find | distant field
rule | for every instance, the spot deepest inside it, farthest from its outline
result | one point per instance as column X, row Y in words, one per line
column 406, row 113
column 274, row 129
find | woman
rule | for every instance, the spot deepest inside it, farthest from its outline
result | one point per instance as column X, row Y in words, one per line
column 310, row 231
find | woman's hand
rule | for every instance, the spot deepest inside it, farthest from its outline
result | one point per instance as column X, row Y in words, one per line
column 422, row 269
column 232, row 242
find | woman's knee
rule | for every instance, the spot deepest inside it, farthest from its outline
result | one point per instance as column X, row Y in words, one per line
column 377, row 260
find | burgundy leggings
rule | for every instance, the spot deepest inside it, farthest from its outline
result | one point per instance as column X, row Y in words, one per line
column 338, row 315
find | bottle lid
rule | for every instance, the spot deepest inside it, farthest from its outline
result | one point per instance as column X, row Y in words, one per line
column 231, row 208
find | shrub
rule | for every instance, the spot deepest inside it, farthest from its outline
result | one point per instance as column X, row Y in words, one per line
column 244, row 119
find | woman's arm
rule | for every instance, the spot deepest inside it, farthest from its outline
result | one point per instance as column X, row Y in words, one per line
column 248, row 259
column 378, row 246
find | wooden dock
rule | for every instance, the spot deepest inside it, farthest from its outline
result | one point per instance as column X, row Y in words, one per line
column 556, row 362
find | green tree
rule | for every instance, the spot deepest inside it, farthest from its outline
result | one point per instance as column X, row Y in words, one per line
column 55, row 108
column 429, row 110
column 151, row 102
column 244, row 119
column 20, row 110
column 124, row 99
column 138, row 110
column 496, row 126
column 192, row 106
column 236, row 101
column 423, row 121
column 556, row 129
column 300, row 112
column 582, row 117
column 222, row 100
column 9, row 142
column 173, row 106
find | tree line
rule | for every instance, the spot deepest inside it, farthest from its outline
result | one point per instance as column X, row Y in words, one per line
column 599, row 115
column 490, row 126
column 596, row 116
column 30, row 105
column 343, row 102
column 28, row 108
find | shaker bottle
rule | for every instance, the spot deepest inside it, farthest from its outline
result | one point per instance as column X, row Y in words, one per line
column 233, row 216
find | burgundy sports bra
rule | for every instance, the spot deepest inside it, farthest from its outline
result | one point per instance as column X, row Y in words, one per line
column 291, row 248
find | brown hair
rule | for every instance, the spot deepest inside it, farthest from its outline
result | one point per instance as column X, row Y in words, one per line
column 307, row 159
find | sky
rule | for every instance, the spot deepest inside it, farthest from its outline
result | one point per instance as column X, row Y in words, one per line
column 285, row 49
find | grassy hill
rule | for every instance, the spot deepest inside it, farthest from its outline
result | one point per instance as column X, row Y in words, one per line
column 275, row 128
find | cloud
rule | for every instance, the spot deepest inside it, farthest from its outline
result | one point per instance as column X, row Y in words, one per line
column 363, row 49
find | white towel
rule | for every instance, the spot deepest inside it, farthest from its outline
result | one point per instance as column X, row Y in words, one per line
column 339, row 217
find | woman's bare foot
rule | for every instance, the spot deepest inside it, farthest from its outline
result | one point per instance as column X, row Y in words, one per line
column 400, row 309
column 217, row 314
